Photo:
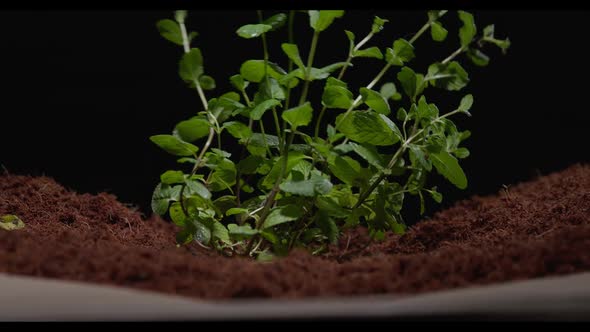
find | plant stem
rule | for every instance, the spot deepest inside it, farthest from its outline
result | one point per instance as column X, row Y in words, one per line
column 314, row 43
column 453, row 55
column 340, row 75
column 290, row 66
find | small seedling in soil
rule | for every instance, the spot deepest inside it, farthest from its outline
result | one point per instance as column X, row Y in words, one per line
column 301, row 180
column 11, row 222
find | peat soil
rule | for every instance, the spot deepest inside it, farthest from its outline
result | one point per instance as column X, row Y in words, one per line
column 535, row 229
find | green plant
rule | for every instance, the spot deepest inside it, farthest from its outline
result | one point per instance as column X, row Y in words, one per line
column 299, row 184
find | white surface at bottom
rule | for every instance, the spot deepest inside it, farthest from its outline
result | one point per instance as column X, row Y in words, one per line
column 26, row 299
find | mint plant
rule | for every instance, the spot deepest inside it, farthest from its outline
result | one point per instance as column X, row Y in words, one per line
column 301, row 181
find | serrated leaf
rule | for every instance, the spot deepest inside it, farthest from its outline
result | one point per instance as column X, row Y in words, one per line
column 447, row 166
column 260, row 109
column 253, row 30
column 320, row 20
column 174, row 145
column 346, row 169
column 298, row 116
column 224, row 175
column 449, row 76
column 371, row 52
column 191, row 65
column 172, row 177
column 438, row 32
column 366, row 127
column 282, row 214
column 292, row 51
column 335, row 96
column 162, row 196
column 401, row 52
column 375, row 100
column 370, row 154
column 468, row 30
column 197, row 188
column 238, row 130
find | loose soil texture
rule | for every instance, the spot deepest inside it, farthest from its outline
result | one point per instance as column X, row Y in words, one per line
column 535, row 229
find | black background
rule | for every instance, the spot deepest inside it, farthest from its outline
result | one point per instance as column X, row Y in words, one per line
column 81, row 91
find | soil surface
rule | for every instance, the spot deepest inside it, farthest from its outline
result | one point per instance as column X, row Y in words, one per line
column 534, row 229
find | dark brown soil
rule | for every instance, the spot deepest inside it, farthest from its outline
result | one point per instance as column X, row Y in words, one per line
column 535, row 229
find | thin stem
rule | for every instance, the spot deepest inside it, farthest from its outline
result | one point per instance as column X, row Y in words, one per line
column 426, row 26
column 312, row 50
column 453, row 55
column 290, row 66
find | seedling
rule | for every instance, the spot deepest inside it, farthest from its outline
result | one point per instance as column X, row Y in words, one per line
column 302, row 180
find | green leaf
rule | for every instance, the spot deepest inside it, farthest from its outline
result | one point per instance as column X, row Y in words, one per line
column 261, row 108
column 346, row 169
column 418, row 157
column 238, row 82
column 174, row 145
column 11, row 222
column 294, row 157
column 436, row 196
column 197, row 188
column 335, row 96
column 447, row 166
column 177, row 215
column 249, row 164
column 449, row 76
column 224, row 175
column 253, row 70
column 388, row 90
column 162, row 196
column 283, row 214
column 468, row 30
column 367, row 127
column 192, row 129
column 207, row 82
column 253, row 30
column 270, row 89
column 466, row 103
column 378, row 24
column 331, row 207
column 202, row 233
column 276, row 21
column 238, row 130
column 233, row 211
column 241, row 232
column 478, row 57
column 407, row 78
column 328, row 226
column 292, row 51
column 172, row 177
column 371, row 52
column 310, row 188
column 370, row 154
column 191, row 65
column 461, row 153
column 438, row 32
column 170, row 30
column 375, row 100
column 185, row 236
column 320, row 20
column 298, row 116
column 402, row 52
